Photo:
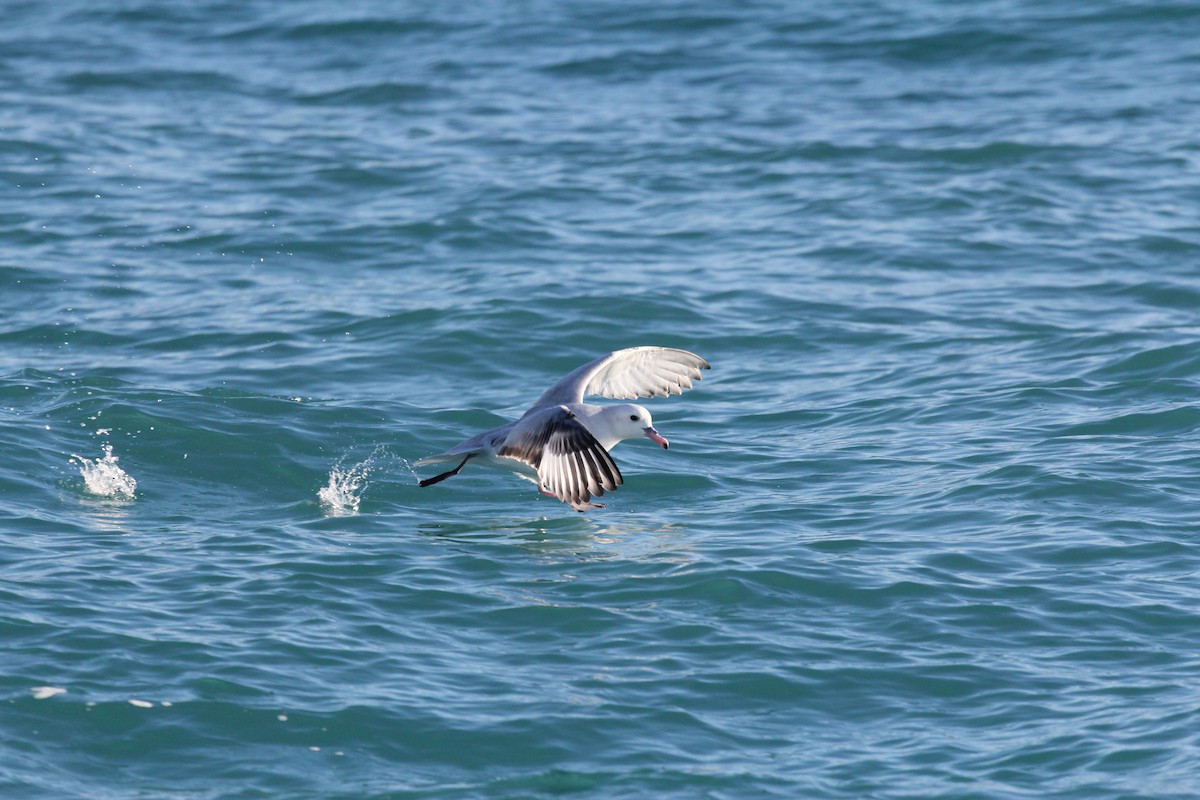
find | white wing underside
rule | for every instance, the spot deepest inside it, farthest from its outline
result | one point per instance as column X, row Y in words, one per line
column 629, row 374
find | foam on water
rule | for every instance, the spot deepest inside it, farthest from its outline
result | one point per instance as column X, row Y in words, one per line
column 342, row 496
column 104, row 478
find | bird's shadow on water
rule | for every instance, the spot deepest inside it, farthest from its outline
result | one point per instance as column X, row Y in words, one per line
column 471, row 520
column 573, row 537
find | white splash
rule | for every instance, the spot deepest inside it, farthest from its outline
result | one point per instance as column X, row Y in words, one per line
column 46, row 692
column 104, row 478
column 343, row 494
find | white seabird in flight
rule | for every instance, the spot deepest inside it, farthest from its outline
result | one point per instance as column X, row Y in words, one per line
column 561, row 443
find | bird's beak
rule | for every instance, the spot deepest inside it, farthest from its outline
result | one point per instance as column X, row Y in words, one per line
column 657, row 438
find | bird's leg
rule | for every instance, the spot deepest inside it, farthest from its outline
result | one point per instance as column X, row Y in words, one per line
column 447, row 474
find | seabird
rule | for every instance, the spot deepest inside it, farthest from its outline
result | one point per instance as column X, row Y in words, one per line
column 561, row 443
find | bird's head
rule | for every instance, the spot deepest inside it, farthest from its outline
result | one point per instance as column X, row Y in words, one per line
column 633, row 421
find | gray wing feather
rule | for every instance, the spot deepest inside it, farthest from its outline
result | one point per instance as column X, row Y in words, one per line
column 569, row 461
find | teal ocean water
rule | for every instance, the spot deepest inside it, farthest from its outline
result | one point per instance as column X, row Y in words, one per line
column 928, row 529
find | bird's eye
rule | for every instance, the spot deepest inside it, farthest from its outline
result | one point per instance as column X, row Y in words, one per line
column 633, row 417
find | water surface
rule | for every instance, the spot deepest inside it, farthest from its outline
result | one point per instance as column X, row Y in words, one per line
column 928, row 529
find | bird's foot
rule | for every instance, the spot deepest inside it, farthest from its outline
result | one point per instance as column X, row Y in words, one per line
column 580, row 507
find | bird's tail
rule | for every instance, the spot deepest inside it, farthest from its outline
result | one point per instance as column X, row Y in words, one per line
column 440, row 458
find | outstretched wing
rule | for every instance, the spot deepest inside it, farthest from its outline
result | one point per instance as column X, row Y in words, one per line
column 569, row 461
column 629, row 374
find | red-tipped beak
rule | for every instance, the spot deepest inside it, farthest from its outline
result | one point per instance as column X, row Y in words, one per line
column 657, row 438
